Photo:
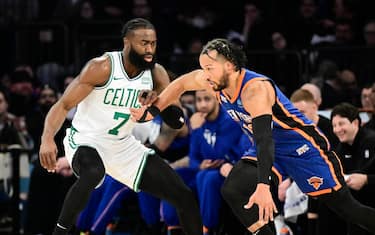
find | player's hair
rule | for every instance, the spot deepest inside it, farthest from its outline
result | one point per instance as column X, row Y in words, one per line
column 302, row 95
column 134, row 24
column 346, row 110
column 232, row 52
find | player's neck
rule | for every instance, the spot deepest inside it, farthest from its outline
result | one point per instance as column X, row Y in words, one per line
column 234, row 79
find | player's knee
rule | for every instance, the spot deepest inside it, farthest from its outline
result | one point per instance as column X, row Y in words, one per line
column 88, row 165
column 94, row 175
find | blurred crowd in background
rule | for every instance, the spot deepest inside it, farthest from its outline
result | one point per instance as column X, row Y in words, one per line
column 329, row 44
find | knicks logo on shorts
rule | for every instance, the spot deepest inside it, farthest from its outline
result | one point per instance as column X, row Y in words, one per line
column 315, row 182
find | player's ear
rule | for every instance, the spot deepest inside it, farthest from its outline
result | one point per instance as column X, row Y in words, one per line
column 228, row 65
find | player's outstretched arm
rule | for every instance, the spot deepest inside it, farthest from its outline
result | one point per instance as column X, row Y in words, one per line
column 192, row 81
column 187, row 82
column 96, row 72
column 258, row 98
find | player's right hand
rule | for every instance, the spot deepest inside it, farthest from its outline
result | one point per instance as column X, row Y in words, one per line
column 47, row 155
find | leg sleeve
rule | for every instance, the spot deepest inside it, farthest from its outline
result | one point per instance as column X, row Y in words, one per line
column 163, row 182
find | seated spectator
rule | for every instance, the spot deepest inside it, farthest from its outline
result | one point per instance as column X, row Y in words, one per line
column 8, row 136
column 47, row 190
column 315, row 91
column 216, row 142
column 357, row 153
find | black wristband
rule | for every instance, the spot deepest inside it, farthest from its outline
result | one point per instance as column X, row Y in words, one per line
column 155, row 111
column 173, row 116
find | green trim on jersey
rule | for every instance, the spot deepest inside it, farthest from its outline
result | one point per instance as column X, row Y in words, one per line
column 123, row 71
column 141, row 167
column 110, row 76
column 72, row 144
column 75, row 129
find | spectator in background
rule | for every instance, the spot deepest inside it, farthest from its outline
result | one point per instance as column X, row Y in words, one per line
column 278, row 41
column 188, row 101
column 315, row 91
column 47, row 190
column 357, row 153
column 142, row 9
column 369, row 34
column 344, row 33
column 35, row 119
column 307, row 28
column 332, row 89
column 50, row 74
column 18, row 123
column 337, row 50
column 255, row 31
column 348, row 80
column 216, row 143
column 21, row 92
column 366, row 102
column 8, row 136
column 283, row 64
column 9, row 133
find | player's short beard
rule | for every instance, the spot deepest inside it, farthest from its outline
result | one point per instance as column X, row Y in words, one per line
column 138, row 61
column 223, row 83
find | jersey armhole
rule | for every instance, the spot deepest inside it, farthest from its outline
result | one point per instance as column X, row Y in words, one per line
column 110, row 76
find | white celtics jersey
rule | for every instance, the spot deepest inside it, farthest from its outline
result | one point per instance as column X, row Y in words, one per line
column 105, row 111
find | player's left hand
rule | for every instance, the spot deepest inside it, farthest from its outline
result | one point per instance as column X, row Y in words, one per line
column 147, row 97
column 356, row 181
column 263, row 198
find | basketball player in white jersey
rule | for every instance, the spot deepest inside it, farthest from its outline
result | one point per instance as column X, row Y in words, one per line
column 100, row 139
